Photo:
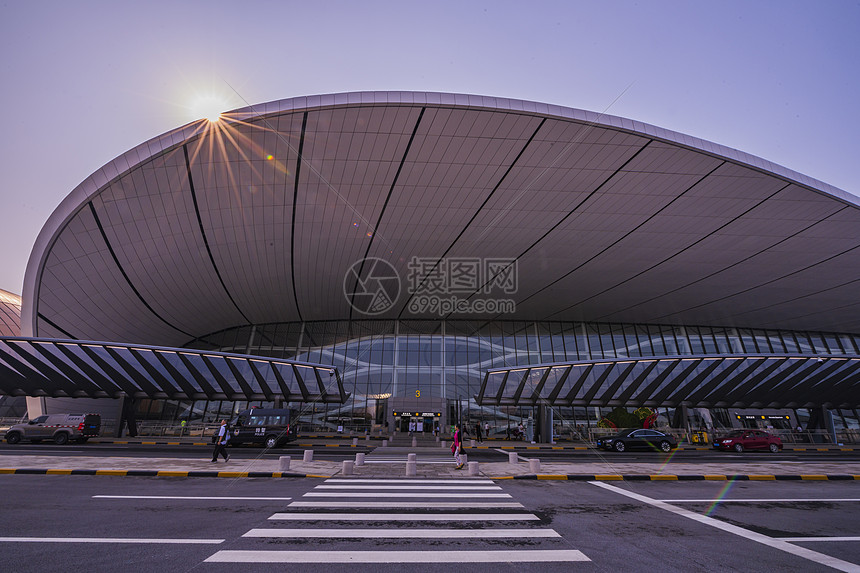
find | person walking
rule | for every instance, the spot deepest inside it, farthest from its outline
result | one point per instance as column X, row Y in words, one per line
column 455, row 447
column 221, row 443
column 478, row 433
column 487, row 430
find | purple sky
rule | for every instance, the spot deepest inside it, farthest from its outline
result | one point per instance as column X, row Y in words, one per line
column 84, row 82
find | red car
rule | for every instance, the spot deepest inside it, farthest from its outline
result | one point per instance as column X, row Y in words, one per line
column 740, row 440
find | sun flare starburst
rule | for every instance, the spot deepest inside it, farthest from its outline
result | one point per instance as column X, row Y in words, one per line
column 209, row 107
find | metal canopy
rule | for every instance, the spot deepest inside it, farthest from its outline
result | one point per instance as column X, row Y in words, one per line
column 72, row 368
column 761, row 381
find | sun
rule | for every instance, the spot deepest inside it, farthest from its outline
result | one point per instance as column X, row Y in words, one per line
column 209, row 107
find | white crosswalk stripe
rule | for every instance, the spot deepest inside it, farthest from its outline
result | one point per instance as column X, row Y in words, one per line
column 306, row 516
column 494, row 556
column 481, row 516
column 437, row 533
column 423, row 487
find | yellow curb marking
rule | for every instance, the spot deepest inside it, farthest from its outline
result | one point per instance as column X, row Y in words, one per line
column 762, row 478
column 664, row 477
column 715, row 477
column 813, row 477
column 58, row 472
column 551, row 476
column 111, row 472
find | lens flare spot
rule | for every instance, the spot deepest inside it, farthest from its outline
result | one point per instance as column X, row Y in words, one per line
column 369, row 234
column 270, row 157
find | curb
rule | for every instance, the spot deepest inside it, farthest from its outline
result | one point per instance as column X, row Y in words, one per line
column 694, row 477
column 155, row 473
column 555, row 477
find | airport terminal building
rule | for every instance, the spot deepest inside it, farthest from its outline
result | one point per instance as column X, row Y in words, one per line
column 379, row 258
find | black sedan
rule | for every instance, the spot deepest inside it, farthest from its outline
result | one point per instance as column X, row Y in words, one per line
column 643, row 439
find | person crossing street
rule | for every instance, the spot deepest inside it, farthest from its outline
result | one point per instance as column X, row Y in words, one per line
column 455, row 447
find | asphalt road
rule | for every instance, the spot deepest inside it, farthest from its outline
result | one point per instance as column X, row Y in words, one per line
column 343, row 452
column 202, row 524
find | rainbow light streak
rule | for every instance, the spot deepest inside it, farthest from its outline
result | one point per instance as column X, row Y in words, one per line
column 669, row 459
column 720, row 497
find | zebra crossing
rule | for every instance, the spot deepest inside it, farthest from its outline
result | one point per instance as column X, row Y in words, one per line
column 338, row 511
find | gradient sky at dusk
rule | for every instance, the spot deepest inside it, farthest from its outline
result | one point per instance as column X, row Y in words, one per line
column 83, row 82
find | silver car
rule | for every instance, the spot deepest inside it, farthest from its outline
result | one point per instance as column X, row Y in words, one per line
column 61, row 428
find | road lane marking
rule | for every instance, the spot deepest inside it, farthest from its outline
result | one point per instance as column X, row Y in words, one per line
column 512, row 556
column 801, row 539
column 108, row 540
column 205, row 498
column 464, row 488
column 401, row 494
column 405, row 517
column 814, row 556
column 406, row 504
column 398, row 533
column 759, row 500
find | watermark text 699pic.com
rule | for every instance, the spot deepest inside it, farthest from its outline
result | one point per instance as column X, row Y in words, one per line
column 437, row 286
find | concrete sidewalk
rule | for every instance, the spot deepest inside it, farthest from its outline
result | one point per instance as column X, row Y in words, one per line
column 432, row 462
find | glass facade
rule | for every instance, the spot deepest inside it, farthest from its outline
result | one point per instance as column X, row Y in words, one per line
column 447, row 359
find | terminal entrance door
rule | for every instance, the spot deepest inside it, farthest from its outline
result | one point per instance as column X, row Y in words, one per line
column 417, row 422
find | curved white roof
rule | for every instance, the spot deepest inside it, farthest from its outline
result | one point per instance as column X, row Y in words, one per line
column 258, row 218
column 10, row 314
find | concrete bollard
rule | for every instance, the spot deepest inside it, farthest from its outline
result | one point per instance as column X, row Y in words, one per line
column 473, row 468
column 359, row 460
column 285, row 463
column 464, row 458
column 414, row 442
column 534, row 465
column 411, row 457
column 443, row 443
column 309, row 456
column 355, row 441
column 513, row 458
column 411, row 468
column 384, row 443
column 438, row 438
column 471, row 443
column 348, row 466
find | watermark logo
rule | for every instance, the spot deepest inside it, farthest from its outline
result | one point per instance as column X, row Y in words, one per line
column 374, row 292
column 459, row 285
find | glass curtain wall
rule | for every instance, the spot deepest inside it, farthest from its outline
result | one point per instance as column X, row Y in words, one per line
column 448, row 358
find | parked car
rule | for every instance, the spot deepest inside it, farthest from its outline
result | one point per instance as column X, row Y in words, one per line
column 740, row 440
column 642, row 439
column 268, row 426
column 62, row 428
